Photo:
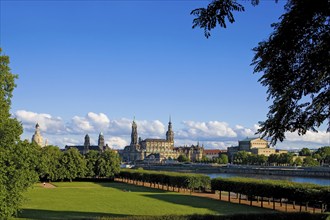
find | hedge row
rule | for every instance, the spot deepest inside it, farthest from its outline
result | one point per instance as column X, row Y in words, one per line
column 299, row 192
column 173, row 179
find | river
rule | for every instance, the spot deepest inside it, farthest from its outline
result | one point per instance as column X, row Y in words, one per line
column 319, row 181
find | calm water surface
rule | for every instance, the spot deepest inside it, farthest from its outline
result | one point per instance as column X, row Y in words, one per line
column 319, row 181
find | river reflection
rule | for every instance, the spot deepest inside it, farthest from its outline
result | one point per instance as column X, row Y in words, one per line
column 319, row 181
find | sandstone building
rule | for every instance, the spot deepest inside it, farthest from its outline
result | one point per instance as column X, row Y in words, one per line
column 256, row 146
column 157, row 149
column 37, row 138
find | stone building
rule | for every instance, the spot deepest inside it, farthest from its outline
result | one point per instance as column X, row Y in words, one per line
column 84, row 149
column 37, row 138
column 159, row 150
column 256, row 146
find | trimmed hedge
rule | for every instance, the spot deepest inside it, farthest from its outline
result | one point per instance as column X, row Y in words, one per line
column 173, row 179
column 277, row 189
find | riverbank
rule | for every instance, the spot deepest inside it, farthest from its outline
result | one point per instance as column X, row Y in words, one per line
column 317, row 172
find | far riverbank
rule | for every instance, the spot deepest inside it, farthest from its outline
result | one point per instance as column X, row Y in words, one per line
column 307, row 174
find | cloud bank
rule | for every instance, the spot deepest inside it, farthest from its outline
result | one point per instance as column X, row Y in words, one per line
column 212, row 134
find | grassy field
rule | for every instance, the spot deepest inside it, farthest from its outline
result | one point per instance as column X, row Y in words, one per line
column 79, row 200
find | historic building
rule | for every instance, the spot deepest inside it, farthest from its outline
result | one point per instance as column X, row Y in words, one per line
column 159, row 150
column 83, row 149
column 256, row 146
column 37, row 138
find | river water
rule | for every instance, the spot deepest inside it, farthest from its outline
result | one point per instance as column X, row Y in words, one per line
column 319, row 181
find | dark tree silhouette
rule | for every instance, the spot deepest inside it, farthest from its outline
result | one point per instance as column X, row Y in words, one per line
column 294, row 63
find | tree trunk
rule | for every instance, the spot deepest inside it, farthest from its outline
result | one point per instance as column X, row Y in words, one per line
column 294, row 204
column 262, row 202
column 228, row 196
column 220, row 195
column 306, row 207
column 239, row 198
column 273, row 204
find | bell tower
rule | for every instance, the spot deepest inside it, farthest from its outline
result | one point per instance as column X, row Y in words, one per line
column 101, row 141
column 170, row 133
column 87, row 143
column 134, row 134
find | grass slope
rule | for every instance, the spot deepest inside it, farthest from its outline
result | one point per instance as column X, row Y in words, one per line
column 79, row 200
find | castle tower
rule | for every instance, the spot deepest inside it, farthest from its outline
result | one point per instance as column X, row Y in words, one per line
column 37, row 138
column 87, row 144
column 100, row 142
column 134, row 134
column 170, row 133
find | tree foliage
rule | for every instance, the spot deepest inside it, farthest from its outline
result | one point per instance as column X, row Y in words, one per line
column 294, row 63
column 18, row 159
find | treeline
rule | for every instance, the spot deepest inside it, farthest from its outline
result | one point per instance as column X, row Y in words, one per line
column 290, row 192
column 167, row 179
column 55, row 164
column 307, row 158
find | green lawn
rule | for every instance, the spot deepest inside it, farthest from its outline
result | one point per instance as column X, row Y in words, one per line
column 78, row 200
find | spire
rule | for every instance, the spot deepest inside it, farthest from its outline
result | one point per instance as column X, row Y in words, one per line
column 101, row 141
column 134, row 135
column 170, row 133
column 37, row 138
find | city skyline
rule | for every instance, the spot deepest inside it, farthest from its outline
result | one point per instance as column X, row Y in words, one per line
column 90, row 67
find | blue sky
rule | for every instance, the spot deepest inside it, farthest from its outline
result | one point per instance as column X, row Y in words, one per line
column 91, row 66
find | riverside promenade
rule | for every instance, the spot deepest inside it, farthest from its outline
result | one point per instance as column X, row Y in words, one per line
column 319, row 172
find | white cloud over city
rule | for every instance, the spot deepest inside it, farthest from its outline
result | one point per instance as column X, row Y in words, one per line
column 212, row 134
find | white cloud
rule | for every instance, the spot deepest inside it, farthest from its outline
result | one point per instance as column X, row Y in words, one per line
column 117, row 142
column 212, row 130
column 48, row 124
column 213, row 134
column 321, row 137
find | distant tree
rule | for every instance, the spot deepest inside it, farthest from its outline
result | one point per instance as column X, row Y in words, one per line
column 285, row 159
column 273, row 159
column 294, row 62
column 91, row 160
column 241, row 157
column 183, row 158
column 323, row 155
column 108, row 164
column 305, row 152
column 223, row 159
column 73, row 165
column 50, row 163
column 298, row 161
column 17, row 159
column 310, row 161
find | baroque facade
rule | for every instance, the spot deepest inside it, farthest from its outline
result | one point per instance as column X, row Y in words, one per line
column 256, row 146
column 159, row 149
column 84, row 149
column 37, row 138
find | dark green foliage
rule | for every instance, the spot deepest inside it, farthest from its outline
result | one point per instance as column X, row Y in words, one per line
column 72, row 165
column 294, row 63
column 295, row 66
column 299, row 192
column 216, row 13
column 49, row 165
column 305, row 152
column 107, row 164
column 18, row 160
column 17, row 173
column 183, row 158
column 180, row 180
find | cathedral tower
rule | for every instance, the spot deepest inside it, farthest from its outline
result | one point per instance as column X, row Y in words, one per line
column 87, row 144
column 101, row 141
column 37, row 138
column 134, row 134
column 170, row 133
